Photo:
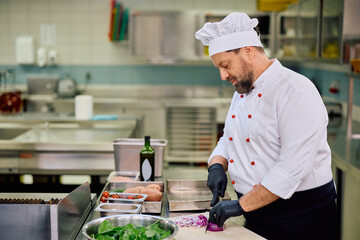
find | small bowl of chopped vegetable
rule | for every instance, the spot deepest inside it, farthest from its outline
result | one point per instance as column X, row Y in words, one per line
column 130, row 226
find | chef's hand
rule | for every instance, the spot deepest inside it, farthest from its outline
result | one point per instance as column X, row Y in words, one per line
column 217, row 181
column 223, row 210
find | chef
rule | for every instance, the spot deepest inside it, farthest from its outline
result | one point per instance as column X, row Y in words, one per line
column 274, row 144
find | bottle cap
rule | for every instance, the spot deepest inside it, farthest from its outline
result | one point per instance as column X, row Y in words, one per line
column 147, row 138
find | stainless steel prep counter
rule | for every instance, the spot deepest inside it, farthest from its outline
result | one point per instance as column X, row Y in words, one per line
column 176, row 172
column 48, row 144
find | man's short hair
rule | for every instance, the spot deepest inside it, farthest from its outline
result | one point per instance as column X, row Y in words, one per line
column 260, row 49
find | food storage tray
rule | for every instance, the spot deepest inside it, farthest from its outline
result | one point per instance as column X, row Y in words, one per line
column 110, row 209
column 127, row 197
column 148, row 206
column 123, row 176
column 190, row 195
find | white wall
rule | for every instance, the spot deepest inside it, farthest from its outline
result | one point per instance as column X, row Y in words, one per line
column 82, row 26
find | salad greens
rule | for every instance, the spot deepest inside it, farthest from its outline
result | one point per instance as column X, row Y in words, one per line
column 107, row 231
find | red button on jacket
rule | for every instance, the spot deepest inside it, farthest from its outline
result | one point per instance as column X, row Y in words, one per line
column 259, row 95
column 233, row 116
column 241, row 95
column 233, row 182
column 249, row 116
column 248, row 139
column 252, row 163
column 231, row 160
column 230, row 138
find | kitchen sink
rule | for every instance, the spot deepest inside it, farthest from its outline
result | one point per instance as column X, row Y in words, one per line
column 11, row 133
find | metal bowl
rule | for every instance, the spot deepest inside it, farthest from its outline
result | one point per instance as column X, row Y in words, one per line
column 123, row 219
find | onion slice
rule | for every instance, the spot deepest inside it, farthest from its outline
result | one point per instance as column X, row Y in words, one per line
column 213, row 227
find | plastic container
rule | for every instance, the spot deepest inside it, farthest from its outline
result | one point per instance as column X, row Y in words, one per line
column 127, row 150
column 356, row 65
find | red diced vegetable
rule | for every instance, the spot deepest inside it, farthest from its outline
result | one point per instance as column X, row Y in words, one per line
column 106, row 194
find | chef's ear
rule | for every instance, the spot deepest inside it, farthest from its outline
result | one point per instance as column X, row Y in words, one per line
column 250, row 52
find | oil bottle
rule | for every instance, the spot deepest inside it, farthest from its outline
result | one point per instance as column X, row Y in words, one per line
column 147, row 161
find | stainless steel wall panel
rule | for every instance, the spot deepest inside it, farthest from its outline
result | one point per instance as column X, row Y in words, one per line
column 18, row 221
column 164, row 34
column 42, row 220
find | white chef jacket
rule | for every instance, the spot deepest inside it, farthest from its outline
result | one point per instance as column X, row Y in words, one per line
column 276, row 135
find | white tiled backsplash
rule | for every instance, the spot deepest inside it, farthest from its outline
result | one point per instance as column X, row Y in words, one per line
column 82, row 26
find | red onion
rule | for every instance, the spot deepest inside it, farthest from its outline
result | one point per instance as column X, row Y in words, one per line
column 213, row 227
column 191, row 221
column 202, row 220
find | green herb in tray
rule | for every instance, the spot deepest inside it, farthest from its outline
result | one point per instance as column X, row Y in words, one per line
column 118, row 190
column 107, row 231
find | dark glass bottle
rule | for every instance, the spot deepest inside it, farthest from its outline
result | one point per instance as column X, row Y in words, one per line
column 147, row 161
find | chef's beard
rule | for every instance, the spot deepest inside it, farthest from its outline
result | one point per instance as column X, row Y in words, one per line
column 244, row 84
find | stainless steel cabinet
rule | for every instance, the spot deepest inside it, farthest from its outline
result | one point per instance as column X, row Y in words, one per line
column 332, row 34
column 297, row 35
column 312, row 29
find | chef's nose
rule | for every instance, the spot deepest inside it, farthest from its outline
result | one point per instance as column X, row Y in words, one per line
column 224, row 74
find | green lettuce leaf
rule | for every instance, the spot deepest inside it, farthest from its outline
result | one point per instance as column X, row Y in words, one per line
column 105, row 226
column 130, row 231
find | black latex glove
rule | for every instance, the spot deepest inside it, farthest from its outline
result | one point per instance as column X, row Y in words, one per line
column 216, row 181
column 223, row 210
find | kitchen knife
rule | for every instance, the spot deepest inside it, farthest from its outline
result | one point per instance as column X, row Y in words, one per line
column 207, row 225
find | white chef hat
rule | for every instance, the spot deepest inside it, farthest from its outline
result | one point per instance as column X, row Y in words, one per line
column 236, row 30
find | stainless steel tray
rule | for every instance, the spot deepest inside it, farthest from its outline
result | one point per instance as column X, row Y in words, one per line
column 148, row 206
column 189, row 195
column 125, row 175
column 110, row 209
column 127, row 198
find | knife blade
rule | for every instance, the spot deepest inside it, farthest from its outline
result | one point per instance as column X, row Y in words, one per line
column 207, row 225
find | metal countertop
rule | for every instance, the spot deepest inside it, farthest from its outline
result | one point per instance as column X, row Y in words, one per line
column 345, row 151
column 51, row 145
column 64, row 133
